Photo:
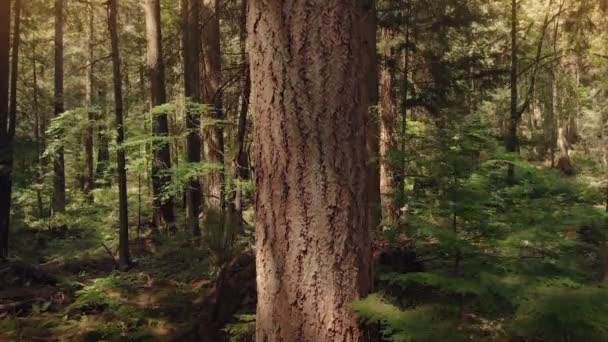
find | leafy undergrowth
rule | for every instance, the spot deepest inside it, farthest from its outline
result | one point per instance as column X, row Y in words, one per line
column 520, row 260
column 89, row 301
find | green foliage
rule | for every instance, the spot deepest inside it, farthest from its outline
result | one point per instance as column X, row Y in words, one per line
column 424, row 323
column 243, row 330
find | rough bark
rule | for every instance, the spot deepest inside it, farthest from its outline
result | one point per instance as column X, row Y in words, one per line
column 163, row 209
column 211, row 83
column 88, row 177
column 191, row 52
column 58, row 161
column 6, row 152
column 388, row 142
column 123, row 250
column 311, row 63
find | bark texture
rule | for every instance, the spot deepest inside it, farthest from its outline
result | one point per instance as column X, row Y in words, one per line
column 123, row 250
column 58, row 161
column 310, row 65
column 211, row 84
column 163, row 209
column 6, row 152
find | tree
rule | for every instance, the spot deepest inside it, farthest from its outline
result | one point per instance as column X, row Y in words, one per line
column 88, row 177
column 388, row 138
column 6, row 148
column 241, row 159
column 211, row 87
column 58, row 162
column 311, row 68
column 163, row 208
column 120, row 136
column 191, row 52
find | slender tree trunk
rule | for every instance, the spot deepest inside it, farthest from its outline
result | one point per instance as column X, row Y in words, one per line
column 211, row 82
column 512, row 141
column 37, row 130
column 58, row 162
column 311, row 66
column 123, row 251
column 388, row 142
column 6, row 149
column 163, row 209
column 15, row 68
column 402, row 172
column 88, row 137
column 103, row 141
column 241, row 159
column 191, row 47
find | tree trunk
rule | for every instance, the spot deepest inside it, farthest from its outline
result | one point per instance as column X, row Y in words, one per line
column 37, row 136
column 6, row 151
column 88, row 137
column 311, row 67
column 123, row 250
column 388, row 142
column 512, row 141
column 58, row 162
column 191, row 47
column 103, row 141
column 163, row 209
column 14, row 68
column 211, row 83
column 241, row 158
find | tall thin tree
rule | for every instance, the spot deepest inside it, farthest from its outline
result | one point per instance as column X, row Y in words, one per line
column 211, row 87
column 6, row 148
column 163, row 208
column 120, row 136
column 58, row 162
column 191, row 53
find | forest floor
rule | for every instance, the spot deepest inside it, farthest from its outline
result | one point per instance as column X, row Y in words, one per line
column 66, row 288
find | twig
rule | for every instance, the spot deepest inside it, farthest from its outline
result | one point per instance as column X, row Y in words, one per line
column 116, row 264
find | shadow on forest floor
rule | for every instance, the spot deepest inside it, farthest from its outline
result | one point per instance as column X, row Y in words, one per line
column 79, row 296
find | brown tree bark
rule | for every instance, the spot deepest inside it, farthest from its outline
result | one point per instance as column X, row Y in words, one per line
column 58, row 162
column 211, row 83
column 388, row 142
column 311, row 66
column 6, row 149
column 163, row 209
column 191, row 52
column 123, row 250
column 88, row 176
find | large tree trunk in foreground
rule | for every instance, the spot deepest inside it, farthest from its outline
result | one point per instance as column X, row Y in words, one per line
column 58, row 162
column 123, row 251
column 191, row 52
column 6, row 151
column 310, row 66
column 211, row 83
column 163, row 209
